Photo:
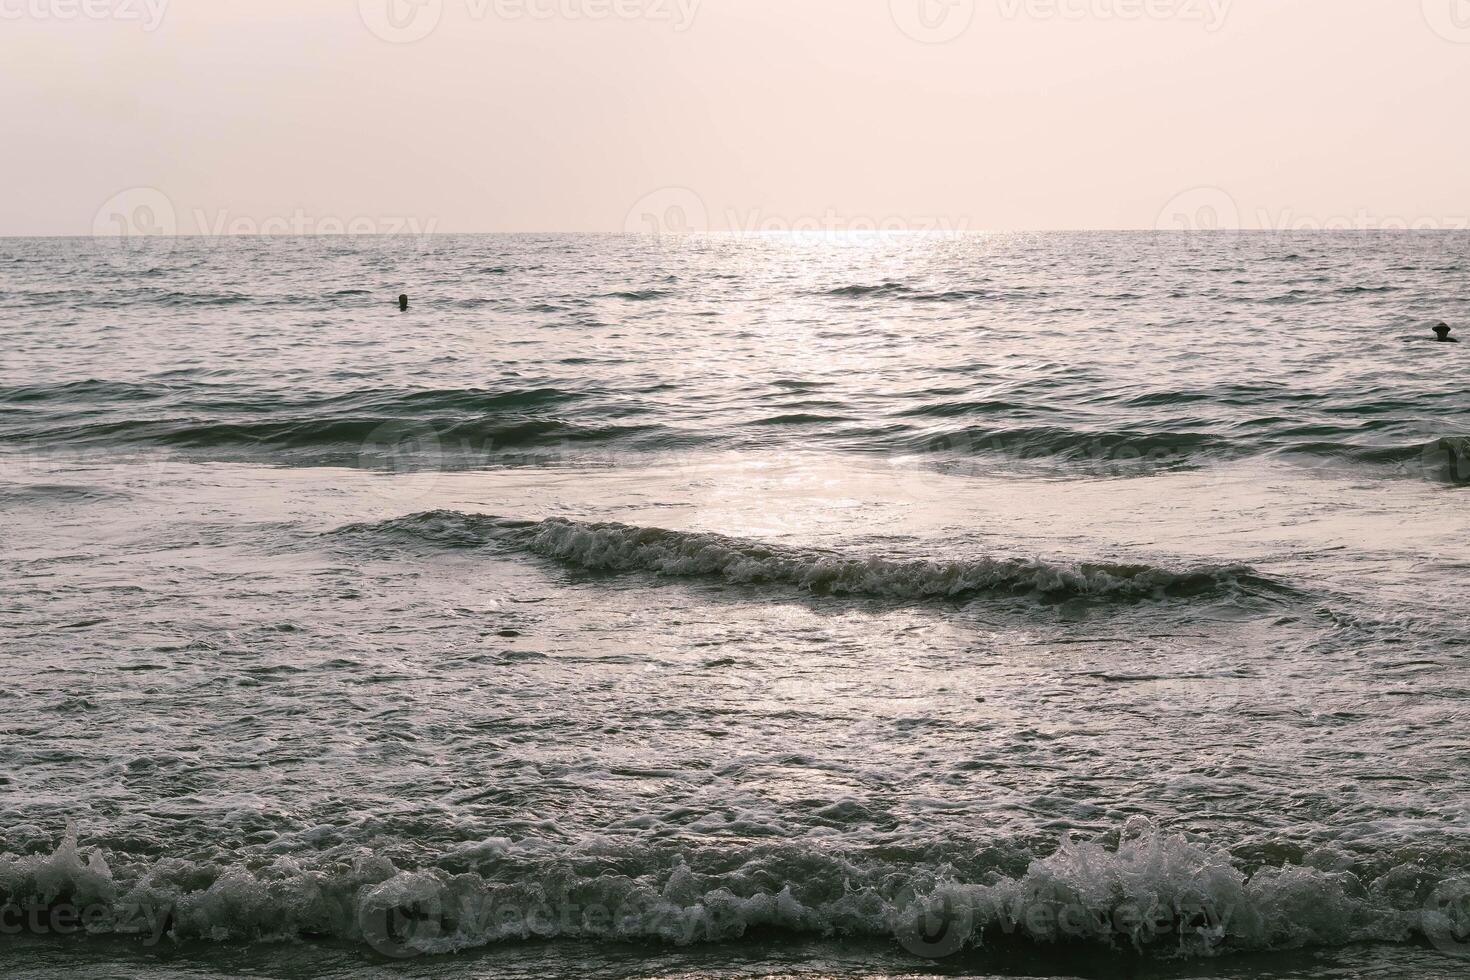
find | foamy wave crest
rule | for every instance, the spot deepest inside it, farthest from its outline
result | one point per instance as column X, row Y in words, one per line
column 1152, row 892
column 624, row 548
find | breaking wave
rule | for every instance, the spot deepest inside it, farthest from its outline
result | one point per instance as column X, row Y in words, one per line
column 1138, row 890
column 611, row 547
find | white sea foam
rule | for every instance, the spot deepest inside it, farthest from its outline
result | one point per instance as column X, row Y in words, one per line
column 1152, row 891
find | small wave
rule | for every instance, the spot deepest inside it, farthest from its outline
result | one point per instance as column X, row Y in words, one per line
column 951, row 296
column 222, row 399
column 883, row 289
column 1121, row 452
column 53, row 493
column 1153, row 893
column 180, row 299
column 84, row 391
column 443, row 400
column 1121, row 448
column 1445, row 460
column 611, row 547
column 895, row 289
column 952, row 409
column 639, row 295
column 801, row 418
column 203, row 417
column 1293, row 296
column 364, row 433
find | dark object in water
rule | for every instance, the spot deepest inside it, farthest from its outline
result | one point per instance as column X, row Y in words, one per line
column 1442, row 334
column 403, row 301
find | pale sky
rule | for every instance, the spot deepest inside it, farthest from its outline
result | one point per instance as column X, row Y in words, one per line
column 606, row 115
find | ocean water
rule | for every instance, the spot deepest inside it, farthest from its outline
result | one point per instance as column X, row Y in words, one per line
column 1047, row 605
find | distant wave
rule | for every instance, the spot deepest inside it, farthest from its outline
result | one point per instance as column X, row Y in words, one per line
column 224, row 398
column 1061, row 442
column 1295, row 296
column 1445, row 460
column 611, row 547
column 202, row 417
column 899, row 290
column 939, row 426
column 639, row 295
column 1153, row 893
column 88, row 390
column 366, row 434
column 58, row 493
column 882, row 289
column 801, row 418
column 1139, row 450
column 174, row 298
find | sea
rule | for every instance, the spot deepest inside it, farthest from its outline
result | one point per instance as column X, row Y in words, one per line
column 721, row 606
